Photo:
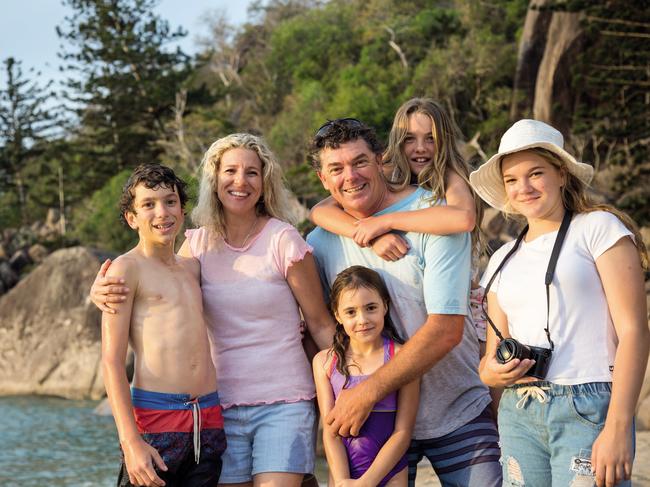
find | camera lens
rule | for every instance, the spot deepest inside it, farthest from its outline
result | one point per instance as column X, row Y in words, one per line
column 506, row 351
column 510, row 349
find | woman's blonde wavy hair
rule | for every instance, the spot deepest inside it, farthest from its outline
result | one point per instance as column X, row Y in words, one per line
column 576, row 198
column 274, row 201
column 447, row 156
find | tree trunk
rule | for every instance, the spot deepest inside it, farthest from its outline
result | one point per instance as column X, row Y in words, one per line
column 529, row 57
column 22, row 199
column 553, row 75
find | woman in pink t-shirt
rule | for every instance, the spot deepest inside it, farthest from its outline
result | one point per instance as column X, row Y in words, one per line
column 257, row 276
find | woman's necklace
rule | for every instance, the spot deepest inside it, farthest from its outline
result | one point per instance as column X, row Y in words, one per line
column 250, row 231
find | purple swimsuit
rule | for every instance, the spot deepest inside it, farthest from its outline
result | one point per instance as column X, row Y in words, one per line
column 363, row 449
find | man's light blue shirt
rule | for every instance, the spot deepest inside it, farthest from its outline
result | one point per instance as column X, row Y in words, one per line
column 432, row 278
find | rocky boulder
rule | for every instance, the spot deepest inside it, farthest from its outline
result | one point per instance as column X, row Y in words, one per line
column 50, row 335
column 22, row 247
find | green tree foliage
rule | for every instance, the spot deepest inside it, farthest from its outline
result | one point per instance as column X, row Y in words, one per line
column 98, row 219
column 471, row 72
column 24, row 122
column 611, row 118
column 296, row 64
column 123, row 79
column 58, row 172
column 366, row 57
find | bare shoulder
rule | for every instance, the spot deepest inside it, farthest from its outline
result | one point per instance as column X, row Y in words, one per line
column 191, row 264
column 394, row 195
column 456, row 185
column 453, row 177
column 322, row 360
column 126, row 265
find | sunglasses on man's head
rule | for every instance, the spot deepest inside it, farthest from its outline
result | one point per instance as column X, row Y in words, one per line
column 324, row 129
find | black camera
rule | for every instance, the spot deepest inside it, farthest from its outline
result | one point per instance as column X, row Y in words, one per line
column 510, row 349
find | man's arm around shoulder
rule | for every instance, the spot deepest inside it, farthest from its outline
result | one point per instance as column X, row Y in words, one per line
column 138, row 455
column 436, row 338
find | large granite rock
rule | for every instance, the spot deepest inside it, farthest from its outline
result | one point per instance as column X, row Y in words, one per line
column 50, row 334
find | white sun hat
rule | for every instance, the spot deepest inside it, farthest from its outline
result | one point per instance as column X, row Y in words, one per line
column 487, row 180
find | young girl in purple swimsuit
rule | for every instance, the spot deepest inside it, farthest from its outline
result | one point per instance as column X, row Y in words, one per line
column 365, row 339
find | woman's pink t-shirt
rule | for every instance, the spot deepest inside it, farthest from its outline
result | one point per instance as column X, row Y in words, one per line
column 252, row 316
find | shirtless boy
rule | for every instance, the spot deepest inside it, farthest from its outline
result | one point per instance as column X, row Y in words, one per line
column 170, row 424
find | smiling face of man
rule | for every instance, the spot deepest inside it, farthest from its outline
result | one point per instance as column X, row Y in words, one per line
column 352, row 174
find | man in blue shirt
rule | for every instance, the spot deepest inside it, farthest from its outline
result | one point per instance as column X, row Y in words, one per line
column 429, row 289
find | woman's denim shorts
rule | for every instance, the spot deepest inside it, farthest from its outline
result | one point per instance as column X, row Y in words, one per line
column 547, row 433
column 276, row 437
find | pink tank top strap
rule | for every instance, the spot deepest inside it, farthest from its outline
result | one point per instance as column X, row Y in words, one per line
column 389, row 349
column 332, row 367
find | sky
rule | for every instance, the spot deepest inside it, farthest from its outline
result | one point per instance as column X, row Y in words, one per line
column 27, row 29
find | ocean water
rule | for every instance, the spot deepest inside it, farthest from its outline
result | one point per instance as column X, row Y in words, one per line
column 56, row 442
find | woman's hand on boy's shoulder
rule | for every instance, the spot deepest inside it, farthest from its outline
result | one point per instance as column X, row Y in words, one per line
column 108, row 289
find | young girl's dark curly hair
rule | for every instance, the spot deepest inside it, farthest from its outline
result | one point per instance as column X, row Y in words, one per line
column 353, row 278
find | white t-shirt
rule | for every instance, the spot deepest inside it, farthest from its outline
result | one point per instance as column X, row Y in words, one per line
column 580, row 322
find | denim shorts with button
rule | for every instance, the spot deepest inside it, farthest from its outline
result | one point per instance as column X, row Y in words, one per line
column 547, row 432
column 276, row 437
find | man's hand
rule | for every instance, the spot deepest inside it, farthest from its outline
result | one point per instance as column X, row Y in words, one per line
column 107, row 290
column 350, row 411
column 139, row 458
column 390, row 246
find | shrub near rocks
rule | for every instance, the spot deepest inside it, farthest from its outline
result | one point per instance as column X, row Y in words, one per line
column 21, row 248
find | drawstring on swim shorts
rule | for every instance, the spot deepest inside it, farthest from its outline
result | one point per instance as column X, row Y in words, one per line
column 536, row 392
column 196, row 420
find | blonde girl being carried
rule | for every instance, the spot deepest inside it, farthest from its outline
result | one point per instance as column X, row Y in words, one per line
column 422, row 150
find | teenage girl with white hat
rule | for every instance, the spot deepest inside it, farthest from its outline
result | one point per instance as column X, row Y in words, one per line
column 566, row 416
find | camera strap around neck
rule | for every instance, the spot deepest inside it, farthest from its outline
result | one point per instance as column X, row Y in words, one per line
column 550, row 271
